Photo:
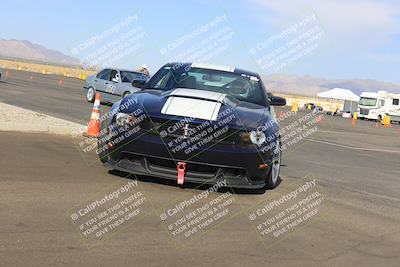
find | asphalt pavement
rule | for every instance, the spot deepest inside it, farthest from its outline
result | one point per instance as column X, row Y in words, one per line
column 44, row 177
column 43, row 93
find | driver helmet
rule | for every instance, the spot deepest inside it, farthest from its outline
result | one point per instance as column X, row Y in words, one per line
column 116, row 77
column 240, row 87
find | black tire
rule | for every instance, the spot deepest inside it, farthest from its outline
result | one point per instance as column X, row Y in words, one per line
column 379, row 118
column 273, row 179
column 91, row 95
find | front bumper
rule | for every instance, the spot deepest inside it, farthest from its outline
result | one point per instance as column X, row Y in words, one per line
column 148, row 154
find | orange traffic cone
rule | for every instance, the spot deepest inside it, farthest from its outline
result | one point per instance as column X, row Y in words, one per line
column 6, row 73
column 60, row 82
column 94, row 122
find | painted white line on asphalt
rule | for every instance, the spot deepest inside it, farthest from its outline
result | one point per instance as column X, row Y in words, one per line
column 351, row 189
column 352, row 147
column 343, row 132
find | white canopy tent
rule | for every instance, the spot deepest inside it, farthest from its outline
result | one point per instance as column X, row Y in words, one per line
column 340, row 94
column 350, row 99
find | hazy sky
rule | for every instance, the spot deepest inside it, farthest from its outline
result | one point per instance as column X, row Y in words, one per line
column 360, row 39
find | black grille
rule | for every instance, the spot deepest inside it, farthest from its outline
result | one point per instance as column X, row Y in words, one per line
column 174, row 129
column 191, row 167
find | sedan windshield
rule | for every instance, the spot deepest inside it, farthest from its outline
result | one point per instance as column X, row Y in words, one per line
column 366, row 101
column 241, row 86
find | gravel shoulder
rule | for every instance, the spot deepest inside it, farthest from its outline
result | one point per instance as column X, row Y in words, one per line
column 18, row 119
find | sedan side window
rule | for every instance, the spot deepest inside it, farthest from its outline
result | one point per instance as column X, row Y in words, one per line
column 100, row 74
column 105, row 75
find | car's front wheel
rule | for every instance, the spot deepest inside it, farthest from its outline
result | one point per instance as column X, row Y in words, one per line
column 91, row 94
column 273, row 178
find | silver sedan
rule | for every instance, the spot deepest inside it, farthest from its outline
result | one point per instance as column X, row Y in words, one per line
column 113, row 84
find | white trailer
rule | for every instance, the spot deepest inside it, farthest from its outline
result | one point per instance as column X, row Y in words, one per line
column 375, row 106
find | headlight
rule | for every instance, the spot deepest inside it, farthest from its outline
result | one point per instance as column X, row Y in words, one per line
column 257, row 137
column 123, row 119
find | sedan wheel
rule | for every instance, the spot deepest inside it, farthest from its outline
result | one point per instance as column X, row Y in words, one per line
column 90, row 95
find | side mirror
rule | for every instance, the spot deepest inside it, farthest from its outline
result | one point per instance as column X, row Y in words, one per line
column 138, row 83
column 277, row 101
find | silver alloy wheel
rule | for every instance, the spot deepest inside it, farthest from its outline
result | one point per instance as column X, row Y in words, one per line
column 90, row 94
column 276, row 162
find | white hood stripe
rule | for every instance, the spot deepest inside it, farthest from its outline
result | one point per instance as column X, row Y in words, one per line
column 207, row 95
column 203, row 105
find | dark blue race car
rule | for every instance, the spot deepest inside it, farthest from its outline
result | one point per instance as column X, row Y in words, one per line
column 204, row 123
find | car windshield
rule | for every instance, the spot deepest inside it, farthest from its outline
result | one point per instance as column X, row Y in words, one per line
column 241, row 86
column 129, row 76
column 366, row 101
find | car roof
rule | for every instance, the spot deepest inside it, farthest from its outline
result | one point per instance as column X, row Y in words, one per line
column 213, row 67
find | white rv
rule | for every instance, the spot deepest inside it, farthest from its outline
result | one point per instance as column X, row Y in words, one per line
column 375, row 106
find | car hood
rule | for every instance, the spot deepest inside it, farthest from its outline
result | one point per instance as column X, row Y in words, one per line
column 197, row 104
